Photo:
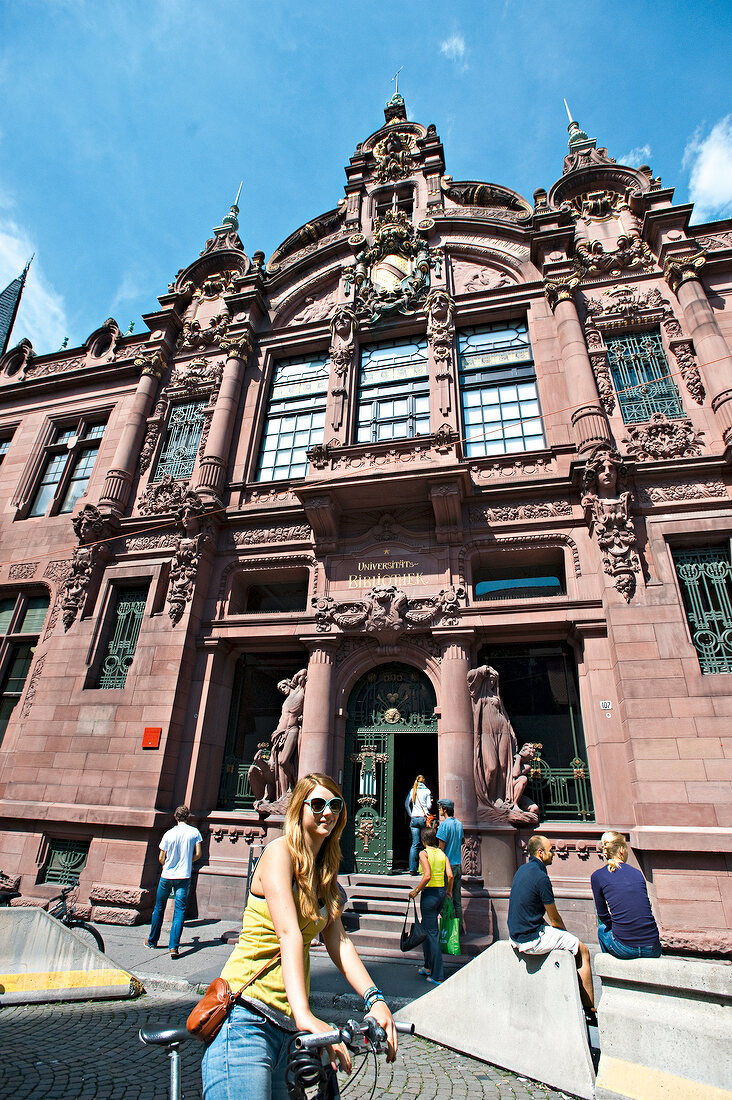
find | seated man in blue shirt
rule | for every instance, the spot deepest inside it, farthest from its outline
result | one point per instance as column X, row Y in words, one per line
column 531, row 901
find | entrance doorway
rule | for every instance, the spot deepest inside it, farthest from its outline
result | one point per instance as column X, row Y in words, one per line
column 391, row 736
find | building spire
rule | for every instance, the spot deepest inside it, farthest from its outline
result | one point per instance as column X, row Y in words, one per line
column 578, row 139
column 9, row 303
column 231, row 221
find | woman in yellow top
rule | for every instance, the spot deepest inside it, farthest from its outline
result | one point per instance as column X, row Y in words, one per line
column 436, row 882
column 293, row 897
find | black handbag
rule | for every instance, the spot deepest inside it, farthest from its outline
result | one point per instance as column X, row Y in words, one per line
column 416, row 934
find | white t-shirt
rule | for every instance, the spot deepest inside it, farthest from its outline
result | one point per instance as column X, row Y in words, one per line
column 179, row 844
column 421, row 804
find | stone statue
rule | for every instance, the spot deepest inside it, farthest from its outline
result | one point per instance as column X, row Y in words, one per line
column 285, row 742
column 496, row 754
column 608, row 511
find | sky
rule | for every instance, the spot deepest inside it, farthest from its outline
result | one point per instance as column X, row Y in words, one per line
column 127, row 126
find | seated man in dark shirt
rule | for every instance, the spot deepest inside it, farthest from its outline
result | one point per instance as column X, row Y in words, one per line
column 625, row 924
column 531, row 901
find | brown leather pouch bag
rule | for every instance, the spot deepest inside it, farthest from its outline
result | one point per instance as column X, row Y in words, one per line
column 208, row 1015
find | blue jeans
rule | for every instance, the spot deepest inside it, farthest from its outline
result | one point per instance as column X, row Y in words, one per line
column 611, row 946
column 247, row 1059
column 432, row 899
column 181, row 887
column 416, row 824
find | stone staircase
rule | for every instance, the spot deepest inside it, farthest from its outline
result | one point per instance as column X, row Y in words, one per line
column 374, row 917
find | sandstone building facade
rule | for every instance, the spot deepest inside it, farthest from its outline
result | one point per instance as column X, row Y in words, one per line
column 441, row 431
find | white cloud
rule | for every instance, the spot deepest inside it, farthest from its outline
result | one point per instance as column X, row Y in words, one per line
column 42, row 314
column 129, row 290
column 454, row 48
column 709, row 161
column 635, row 157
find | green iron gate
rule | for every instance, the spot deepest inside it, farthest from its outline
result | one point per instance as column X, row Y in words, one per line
column 389, row 701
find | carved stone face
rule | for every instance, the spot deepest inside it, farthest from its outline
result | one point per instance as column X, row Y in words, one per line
column 607, row 477
column 342, row 326
column 439, row 307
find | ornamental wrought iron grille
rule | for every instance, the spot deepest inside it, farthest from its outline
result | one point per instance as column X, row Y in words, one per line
column 561, row 793
column 388, row 702
column 66, row 861
column 641, row 376
column 128, row 612
column 182, row 438
column 705, row 578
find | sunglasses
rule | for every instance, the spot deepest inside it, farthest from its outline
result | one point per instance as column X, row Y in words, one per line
column 320, row 805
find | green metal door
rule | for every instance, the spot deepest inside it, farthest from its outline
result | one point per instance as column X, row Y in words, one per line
column 390, row 700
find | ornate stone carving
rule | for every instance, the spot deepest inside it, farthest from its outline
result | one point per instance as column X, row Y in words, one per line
column 513, row 468
column 663, row 438
column 151, row 364
column 715, row 240
column 33, row 685
column 169, row 495
column 560, row 290
column 315, row 309
column 630, row 252
column 343, row 329
column 274, row 779
column 22, row 571
column 195, row 374
column 540, row 509
column 386, row 612
column 601, row 371
column 77, row 584
column 194, row 336
column 500, row 779
column 219, row 283
column 608, row 513
column 393, row 156
column 293, row 532
column 392, row 275
column 681, row 490
column 684, row 354
column 189, row 548
column 472, row 864
column 319, row 456
column 679, row 269
column 469, row 279
column 626, row 304
column 154, row 427
column 440, row 310
column 57, row 570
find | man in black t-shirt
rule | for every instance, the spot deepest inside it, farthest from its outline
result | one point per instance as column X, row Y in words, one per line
column 531, row 905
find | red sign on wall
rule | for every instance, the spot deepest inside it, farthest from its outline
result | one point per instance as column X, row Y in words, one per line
column 151, row 737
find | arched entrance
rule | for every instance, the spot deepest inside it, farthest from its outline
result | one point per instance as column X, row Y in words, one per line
column 391, row 735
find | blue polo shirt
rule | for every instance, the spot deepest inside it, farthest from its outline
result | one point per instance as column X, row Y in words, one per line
column 451, row 831
column 531, row 891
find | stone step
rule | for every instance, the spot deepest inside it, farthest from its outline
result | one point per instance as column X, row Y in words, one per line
column 385, row 943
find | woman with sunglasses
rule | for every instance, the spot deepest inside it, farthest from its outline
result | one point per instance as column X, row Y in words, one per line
column 293, row 897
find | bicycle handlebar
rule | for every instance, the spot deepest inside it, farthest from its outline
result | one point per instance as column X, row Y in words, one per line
column 347, row 1034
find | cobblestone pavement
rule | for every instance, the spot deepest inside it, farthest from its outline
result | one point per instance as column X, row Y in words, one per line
column 90, row 1051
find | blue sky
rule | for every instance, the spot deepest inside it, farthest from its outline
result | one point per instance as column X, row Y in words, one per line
column 127, row 126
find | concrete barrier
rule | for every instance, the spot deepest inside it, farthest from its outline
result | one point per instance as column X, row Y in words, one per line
column 665, row 1029
column 42, row 960
column 520, row 1012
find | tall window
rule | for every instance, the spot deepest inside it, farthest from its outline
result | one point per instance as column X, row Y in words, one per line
column 641, row 376
column 129, row 607
column 4, row 447
column 182, row 438
column 21, row 620
column 67, row 466
column 394, row 392
column 500, row 402
column 705, row 579
column 295, row 417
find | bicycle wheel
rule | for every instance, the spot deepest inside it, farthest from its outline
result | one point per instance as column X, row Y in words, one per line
column 87, row 933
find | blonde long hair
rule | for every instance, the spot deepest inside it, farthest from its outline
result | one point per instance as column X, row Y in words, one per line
column 316, row 876
column 418, row 780
column 614, row 848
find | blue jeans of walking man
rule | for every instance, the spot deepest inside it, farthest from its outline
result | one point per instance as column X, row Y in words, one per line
column 181, row 887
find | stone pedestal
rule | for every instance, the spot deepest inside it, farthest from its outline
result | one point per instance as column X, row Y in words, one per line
column 455, row 727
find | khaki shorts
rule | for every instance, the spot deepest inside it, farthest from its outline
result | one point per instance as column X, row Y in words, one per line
column 549, row 939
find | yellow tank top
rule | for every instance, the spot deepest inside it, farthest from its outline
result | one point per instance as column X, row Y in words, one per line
column 257, row 945
column 437, row 866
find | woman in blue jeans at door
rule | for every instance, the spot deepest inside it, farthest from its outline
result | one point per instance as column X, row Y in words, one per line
column 417, row 805
column 293, row 896
column 625, row 924
column 435, row 884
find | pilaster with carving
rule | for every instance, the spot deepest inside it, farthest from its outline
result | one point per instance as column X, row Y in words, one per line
column 607, row 512
column 440, row 310
column 92, row 529
column 343, row 350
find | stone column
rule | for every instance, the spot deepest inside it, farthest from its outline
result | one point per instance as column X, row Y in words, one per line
column 121, row 473
column 455, row 728
column 212, row 467
column 682, row 273
column 317, row 718
column 588, row 419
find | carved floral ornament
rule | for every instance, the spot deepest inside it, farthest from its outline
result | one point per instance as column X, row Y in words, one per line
column 440, row 310
column 393, row 156
column 386, row 612
column 663, row 438
column 680, row 269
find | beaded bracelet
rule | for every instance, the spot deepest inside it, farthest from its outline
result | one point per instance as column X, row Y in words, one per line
column 371, row 996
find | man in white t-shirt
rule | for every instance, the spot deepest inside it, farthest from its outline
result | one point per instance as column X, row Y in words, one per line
column 180, row 848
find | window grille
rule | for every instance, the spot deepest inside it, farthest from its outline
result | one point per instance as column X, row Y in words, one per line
column 641, row 376
column 127, row 620
column 66, row 861
column 21, row 620
column 394, row 392
column 67, row 467
column 295, row 417
column 182, row 438
column 500, row 401
column 705, row 578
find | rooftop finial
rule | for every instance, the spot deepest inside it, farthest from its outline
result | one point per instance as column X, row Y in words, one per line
column 231, row 221
column 236, row 200
column 395, row 111
column 577, row 137
column 569, row 113
column 395, row 78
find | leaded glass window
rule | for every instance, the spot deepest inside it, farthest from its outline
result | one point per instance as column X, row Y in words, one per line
column 500, row 401
column 66, row 861
column 641, row 376
column 129, row 607
column 67, row 467
column 705, row 578
column 21, row 619
column 182, row 438
column 394, row 392
column 295, row 417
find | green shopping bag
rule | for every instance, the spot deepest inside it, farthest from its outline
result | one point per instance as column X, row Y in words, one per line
column 449, row 929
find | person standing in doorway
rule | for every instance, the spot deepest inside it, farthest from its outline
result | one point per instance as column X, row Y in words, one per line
column 180, row 848
column 417, row 805
column 450, row 837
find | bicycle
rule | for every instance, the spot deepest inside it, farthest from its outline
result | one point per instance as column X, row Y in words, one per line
column 307, row 1076
column 59, row 908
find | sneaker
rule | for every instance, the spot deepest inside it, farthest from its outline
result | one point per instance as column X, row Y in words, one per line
column 175, row 953
column 433, row 981
column 423, row 970
column 152, row 946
